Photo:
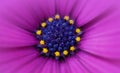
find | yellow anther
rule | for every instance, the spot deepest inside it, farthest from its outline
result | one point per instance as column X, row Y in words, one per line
column 72, row 48
column 43, row 24
column 66, row 18
column 77, row 39
column 57, row 16
column 71, row 22
column 57, row 53
column 42, row 42
column 65, row 52
column 78, row 30
column 38, row 32
column 45, row 50
column 50, row 19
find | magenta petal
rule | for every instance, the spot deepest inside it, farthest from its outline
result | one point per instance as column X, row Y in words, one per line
column 25, row 14
column 64, row 7
column 49, row 8
column 17, row 13
column 74, row 65
column 86, row 11
column 63, row 68
column 48, row 67
column 16, row 60
column 98, row 65
column 55, row 66
column 11, row 36
column 103, row 38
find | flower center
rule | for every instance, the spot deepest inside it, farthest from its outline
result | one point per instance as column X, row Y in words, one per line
column 58, row 37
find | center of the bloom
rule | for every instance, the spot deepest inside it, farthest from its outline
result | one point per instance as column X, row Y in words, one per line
column 58, row 37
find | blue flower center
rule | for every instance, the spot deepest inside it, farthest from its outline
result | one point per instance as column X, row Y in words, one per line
column 58, row 37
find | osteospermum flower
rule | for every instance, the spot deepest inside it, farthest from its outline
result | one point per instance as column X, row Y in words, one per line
column 59, row 36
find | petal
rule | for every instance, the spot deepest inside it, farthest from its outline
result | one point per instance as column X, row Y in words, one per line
column 88, row 10
column 13, row 61
column 95, row 64
column 65, row 7
column 11, row 36
column 75, row 66
column 47, row 67
column 103, row 38
column 63, row 68
column 18, row 14
column 101, row 34
column 55, row 66
column 26, row 15
column 31, row 66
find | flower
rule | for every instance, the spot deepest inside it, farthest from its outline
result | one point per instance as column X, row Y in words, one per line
column 99, row 43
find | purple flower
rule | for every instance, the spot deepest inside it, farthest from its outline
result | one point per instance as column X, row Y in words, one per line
column 99, row 47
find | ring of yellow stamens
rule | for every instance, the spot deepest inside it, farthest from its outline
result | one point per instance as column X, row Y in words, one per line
column 45, row 50
column 72, row 48
column 57, row 16
column 77, row 30
column 77, row 39
column 42, row 42
column 38, row 32
column 65, row 52
column 43, row 24
column 57, row 53
column 50, row 19
column 66, row 18
column 55, row 44
column 71, row 22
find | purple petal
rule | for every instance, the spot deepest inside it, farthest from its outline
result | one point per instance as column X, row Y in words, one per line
column 103, row 38
column 85, row 11
column 95, row 64
column 18, row 60
column 26, row 14
column 101, row 35
column 11, row 36
column 75, row 66
column 47, row 67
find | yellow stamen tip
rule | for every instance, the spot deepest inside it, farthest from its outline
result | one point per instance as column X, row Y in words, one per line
column 77, row 39
column 38, row 32
column 66, row 18
column 78, row 30
column 71, row 21
column 57, row 53
column 65, row 52
column 50, row 19
column 72, row 48
column 42, row 42
column 45, row 50
column 57, row 16
column 43, row 24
